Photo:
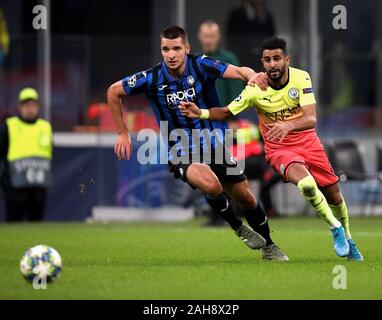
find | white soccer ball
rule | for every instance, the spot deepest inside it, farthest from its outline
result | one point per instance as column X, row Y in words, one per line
column 42, row 261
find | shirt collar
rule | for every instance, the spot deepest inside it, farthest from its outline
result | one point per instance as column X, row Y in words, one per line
column 284, row 85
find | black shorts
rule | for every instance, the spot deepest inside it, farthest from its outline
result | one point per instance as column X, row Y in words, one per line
column 234, row 175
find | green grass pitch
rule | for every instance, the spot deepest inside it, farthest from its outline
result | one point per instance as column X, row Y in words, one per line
column 187, row 261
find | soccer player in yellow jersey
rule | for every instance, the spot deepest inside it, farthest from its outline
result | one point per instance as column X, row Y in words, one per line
column 287, row 113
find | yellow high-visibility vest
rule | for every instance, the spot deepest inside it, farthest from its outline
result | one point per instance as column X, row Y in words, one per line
column 29, row 140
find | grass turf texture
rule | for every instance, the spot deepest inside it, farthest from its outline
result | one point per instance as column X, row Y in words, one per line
column 187, row 261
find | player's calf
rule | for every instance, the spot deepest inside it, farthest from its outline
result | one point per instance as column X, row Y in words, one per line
column 258, row 220
column 252, row 210
column 311, row 193
column 223, row 208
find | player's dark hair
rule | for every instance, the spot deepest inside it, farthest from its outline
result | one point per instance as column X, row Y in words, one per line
column 274, row 43
column 174, row 32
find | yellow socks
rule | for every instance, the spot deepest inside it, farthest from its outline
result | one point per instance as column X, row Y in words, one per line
column 310, row 191
column 341, row 213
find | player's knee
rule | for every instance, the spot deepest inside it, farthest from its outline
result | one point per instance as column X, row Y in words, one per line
column 212, row 187
column 307, row 187
column 335, row 198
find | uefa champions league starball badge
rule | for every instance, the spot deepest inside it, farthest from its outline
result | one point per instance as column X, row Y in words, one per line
column 132, row 81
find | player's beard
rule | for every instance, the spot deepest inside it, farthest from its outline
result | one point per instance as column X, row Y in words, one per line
column 277, row 79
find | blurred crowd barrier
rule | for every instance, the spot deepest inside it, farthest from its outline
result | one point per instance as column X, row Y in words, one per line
column 88, row 180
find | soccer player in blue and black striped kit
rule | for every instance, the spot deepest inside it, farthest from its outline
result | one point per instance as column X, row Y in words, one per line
column 181, row 76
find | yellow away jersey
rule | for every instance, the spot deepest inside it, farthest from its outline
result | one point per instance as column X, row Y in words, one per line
column 281, row 104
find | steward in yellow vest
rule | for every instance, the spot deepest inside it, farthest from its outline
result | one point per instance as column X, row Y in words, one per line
column 26, row 154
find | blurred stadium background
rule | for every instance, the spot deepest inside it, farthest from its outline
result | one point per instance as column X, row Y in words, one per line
column 90, row 44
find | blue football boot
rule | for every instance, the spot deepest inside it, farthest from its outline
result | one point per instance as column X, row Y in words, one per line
column 341, row 246
column 354, row 253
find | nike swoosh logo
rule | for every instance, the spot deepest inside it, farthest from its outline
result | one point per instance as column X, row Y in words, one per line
column 163, row 87
column 227, row 206
column 266, row 218
column 317, row 204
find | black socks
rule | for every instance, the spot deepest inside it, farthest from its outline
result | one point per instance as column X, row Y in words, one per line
column 258, row 221
column 256, row 218
column 223, row 208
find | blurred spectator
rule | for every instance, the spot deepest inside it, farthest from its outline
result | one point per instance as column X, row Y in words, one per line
column 4, row 38
column 4, row 49
column 256, row 168
column 210, row 41
column 248, row 26
column 25, row 155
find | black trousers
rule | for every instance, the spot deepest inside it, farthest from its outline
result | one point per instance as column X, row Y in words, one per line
column 26, row 203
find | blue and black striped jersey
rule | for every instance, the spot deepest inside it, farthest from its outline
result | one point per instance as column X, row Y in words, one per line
column 165, row 93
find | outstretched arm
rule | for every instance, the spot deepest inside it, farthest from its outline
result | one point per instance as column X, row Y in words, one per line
column 279, row 130
column 191, row 110
column 123, row 147
column 247, row 75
